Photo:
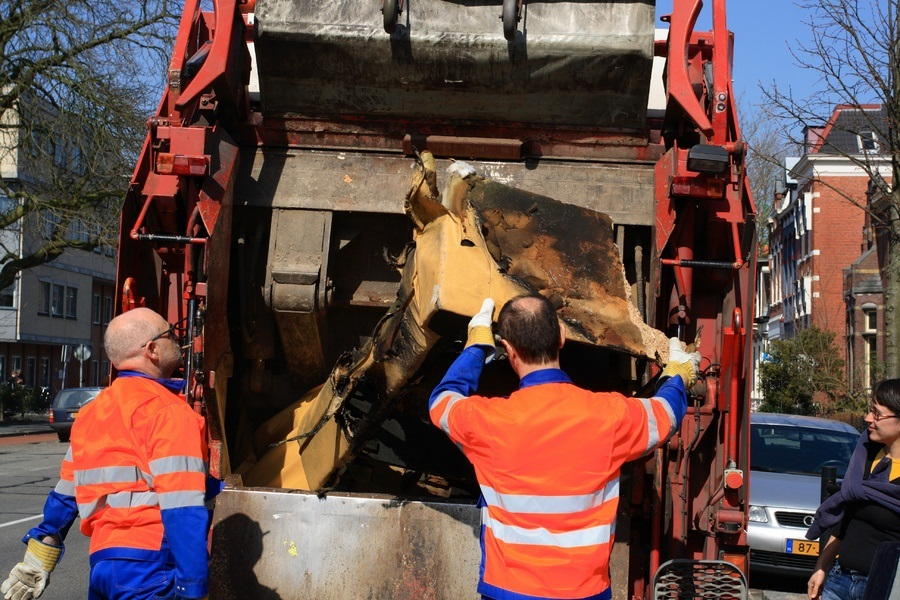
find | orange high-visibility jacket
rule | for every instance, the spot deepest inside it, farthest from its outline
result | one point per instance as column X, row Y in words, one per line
column 137, row 468
column 548, row 460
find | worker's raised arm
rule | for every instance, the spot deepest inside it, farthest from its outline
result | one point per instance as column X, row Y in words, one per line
column 462, row 377
column 650, row 422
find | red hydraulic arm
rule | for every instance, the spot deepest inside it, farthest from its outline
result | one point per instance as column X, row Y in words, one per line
column 176, row 220
column 705, row 242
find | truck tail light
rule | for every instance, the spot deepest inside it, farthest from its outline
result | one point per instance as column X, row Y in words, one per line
column 181, row 164
column 699, row 187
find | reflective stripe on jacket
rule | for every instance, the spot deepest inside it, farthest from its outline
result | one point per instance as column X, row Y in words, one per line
column 548, row 460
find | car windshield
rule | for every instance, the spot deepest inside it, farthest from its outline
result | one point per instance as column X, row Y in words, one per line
column 805, row 450
column 73, row 398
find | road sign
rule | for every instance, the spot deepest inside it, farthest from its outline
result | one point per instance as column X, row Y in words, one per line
column 82, row 352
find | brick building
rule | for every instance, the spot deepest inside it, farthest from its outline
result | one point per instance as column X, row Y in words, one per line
column 818, row 238
column 864, row 284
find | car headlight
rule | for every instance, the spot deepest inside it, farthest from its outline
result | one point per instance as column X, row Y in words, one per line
column 758, row 514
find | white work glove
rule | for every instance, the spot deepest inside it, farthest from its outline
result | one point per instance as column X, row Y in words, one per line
column 28, row 579
column 480, row 333
column 686, row 364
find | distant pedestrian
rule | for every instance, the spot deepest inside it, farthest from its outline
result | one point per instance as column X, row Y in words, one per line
column 15, row 378
column 866, row 511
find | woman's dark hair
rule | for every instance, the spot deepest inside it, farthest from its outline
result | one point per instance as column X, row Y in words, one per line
column 528, row 322
column 887, row 394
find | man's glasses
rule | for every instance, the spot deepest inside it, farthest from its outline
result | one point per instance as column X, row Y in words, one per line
column 877, row 416
column 171, row 333
column 168, row 334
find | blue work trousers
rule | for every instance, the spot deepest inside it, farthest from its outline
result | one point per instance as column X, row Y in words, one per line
column 124, row 579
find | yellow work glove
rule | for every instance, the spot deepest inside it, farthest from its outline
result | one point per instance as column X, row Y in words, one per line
column 480, row 333
column 686, row 364
column 29, row 578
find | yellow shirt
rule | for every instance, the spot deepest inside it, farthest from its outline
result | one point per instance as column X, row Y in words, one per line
column 895, row 465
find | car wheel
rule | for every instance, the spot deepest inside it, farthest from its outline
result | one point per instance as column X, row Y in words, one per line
column 63, row 435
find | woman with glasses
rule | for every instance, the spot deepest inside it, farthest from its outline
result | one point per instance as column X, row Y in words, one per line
column 866, row 511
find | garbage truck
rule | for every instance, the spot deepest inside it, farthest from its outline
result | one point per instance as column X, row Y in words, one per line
column 327, row 192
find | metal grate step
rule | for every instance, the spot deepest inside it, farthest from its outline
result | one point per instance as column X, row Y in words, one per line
column 699, row 579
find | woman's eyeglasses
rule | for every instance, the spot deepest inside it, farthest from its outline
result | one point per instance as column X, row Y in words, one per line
column 877, row 416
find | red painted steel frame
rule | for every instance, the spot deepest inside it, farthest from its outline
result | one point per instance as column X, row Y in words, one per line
column 711, row 307
column 173, row 231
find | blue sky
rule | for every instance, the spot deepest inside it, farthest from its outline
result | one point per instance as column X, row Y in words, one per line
column 764, row 30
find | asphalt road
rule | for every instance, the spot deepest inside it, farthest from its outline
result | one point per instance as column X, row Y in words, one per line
column 29, row 469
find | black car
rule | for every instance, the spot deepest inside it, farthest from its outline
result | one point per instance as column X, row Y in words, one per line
column 65, row 408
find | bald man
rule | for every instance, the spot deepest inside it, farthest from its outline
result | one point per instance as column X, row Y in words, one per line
column 136, row 474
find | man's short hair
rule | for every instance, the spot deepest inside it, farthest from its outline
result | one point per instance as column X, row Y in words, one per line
column 529, row 324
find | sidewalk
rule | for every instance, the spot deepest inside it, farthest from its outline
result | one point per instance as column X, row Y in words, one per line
column 32, row 424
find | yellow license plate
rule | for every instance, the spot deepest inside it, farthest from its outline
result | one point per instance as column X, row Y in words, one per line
column 801, row 547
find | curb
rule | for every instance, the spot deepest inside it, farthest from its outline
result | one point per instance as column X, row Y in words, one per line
column 20, row 431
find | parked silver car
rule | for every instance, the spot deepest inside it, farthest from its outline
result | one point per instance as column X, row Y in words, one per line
column 787, row 453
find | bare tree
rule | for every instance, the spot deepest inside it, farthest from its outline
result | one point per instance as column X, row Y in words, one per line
column 77, row 80
column 855, row 51
column 767, row 149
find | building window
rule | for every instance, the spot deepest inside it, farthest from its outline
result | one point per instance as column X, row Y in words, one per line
column 871, row 321
column 30, row 364
column 104, row 372
column 77, row 165
column 871, row 350
column 870, row 344
column 57, row 300
column 867, row 141
column 16, row 365
column 95, row 373
column 95, row 310
column 8, row 296
column 44, row 305
column 71, row 302
column 45, row 372
column 59, row 155
column 78, row 231
column 2, row 368
column 51, row 222
column 107, row 309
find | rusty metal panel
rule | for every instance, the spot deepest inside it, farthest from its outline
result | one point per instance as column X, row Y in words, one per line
column 573, row 63
column 270, row 544
column 366, row 182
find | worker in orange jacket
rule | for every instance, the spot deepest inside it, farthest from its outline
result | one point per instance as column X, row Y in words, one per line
column 548, row 457
column 136, row 474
